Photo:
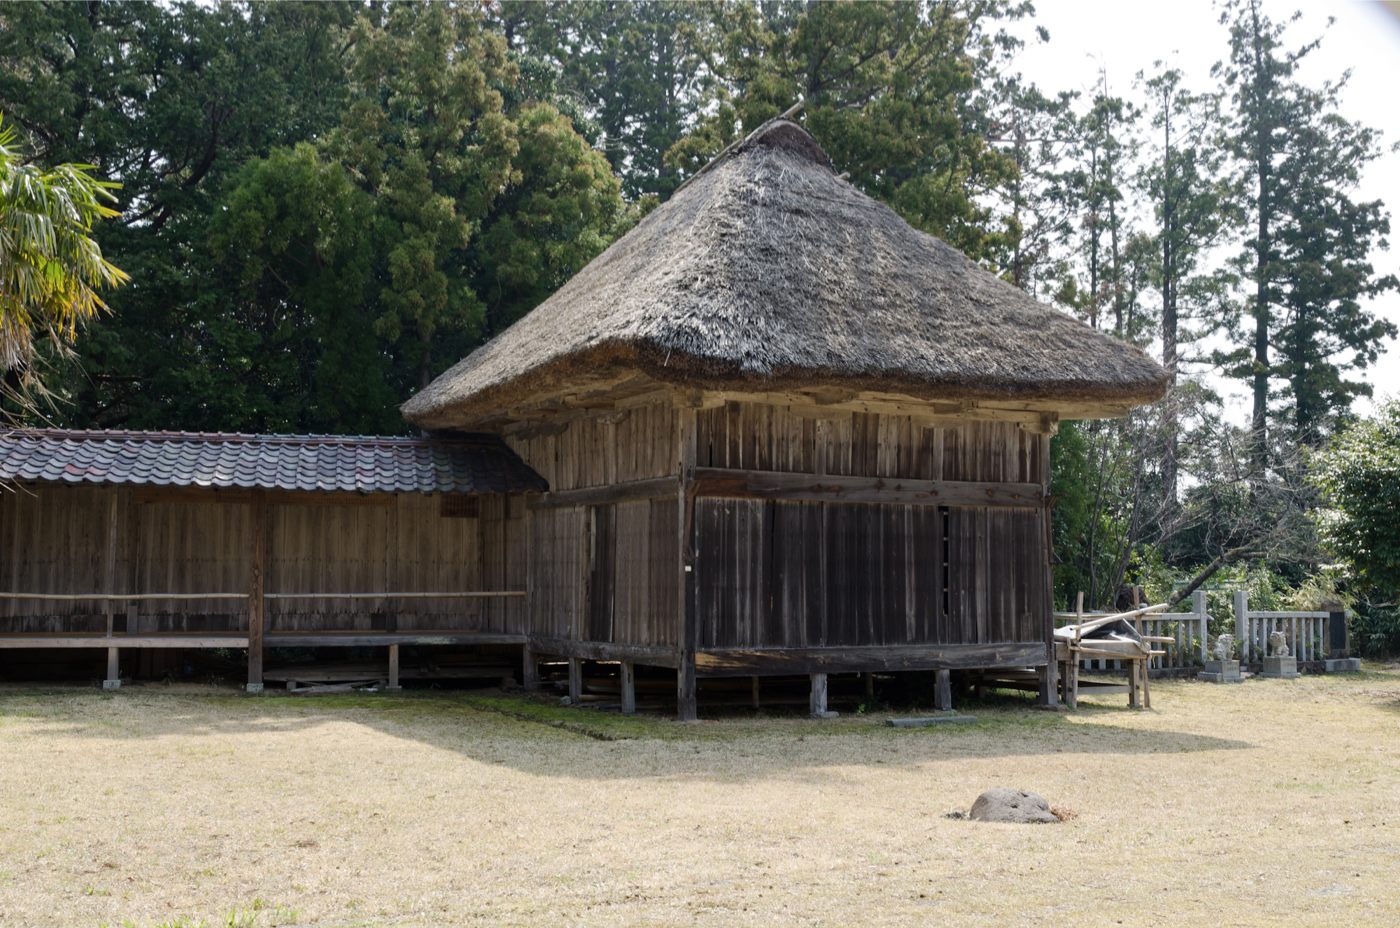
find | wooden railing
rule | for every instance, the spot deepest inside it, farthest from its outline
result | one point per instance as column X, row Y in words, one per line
column 251, row 636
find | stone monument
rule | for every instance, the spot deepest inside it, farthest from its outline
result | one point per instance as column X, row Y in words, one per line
column 1280, row 664
column 1223, row 669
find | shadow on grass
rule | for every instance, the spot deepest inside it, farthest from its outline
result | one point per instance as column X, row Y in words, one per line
column 536, row 735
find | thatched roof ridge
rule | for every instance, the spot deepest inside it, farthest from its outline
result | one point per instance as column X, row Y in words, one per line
column 767, row 271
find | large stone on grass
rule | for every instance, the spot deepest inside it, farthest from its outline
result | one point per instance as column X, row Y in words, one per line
column 1015, row 806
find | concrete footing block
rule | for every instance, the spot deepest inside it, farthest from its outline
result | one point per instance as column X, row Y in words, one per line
column 1342, row 665
column 111, row 684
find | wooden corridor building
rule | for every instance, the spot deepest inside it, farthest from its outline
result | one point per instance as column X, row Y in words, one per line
column 771, row 430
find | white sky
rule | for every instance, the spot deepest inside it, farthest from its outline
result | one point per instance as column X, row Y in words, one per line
column 1127, row 36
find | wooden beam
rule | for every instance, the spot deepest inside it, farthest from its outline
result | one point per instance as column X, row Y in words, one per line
column 384, row 639
column 628, row 684
column 257, row 606
column 41, row 640
column 742, row 662
column 748, row 484
column 654, row 655
column 686, row 703
column 626, row 492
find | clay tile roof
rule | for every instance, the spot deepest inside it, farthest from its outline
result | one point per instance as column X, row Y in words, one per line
column 472, row 464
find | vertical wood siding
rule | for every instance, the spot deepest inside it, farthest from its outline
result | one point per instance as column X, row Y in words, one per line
column 604, row 573
column 54, row 540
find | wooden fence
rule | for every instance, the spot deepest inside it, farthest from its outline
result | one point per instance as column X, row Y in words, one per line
column 1188, row 648
column 1307, row 632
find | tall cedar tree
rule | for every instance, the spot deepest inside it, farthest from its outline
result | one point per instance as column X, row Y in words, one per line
column 1309, row 253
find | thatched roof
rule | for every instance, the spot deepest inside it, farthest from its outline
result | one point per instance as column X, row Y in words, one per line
column 767, row 271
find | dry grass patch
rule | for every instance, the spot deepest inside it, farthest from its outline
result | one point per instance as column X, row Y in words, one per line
column 1264, row 803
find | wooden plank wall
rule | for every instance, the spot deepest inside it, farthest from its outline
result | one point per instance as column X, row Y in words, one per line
column 54, row 539
column 750, row 436
column 604, row 573
column 814, row 574
column 599, row 450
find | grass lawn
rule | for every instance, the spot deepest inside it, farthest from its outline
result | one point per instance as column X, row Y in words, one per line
column 1270, row 802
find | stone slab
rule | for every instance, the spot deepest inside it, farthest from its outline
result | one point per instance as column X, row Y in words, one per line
column 1281, row 668
column 1221, row 672
column 927, row 721
column 1342, row 665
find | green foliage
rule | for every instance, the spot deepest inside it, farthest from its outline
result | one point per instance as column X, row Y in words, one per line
column 1359, row 475
column 51, row 268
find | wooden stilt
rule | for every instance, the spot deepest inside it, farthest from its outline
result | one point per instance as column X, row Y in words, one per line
column 575, row 680
column 529, row 668
column 114, row 677
column 1049, row 695
column 629, row 689
column 817, row 701
column 943, row 691
column 869, row 687
column 393, row 686
column 1146, row 689
column 756, row 692
column 257, row 604
column 686, row 706
column 1133, row 683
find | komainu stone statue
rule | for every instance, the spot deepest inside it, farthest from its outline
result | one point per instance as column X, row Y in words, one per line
column 1224, row 647
column 1278, row 644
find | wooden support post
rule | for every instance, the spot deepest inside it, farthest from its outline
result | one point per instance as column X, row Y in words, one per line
column 817, row 701
column 1133, row 683
column 257, row 603
column 628, row 683
column 754, row 683
column 943, row 690
column 686, row 702
column 869, row 687
column 575, row 681
column 529, row 668
column 393, row 686
column 113, row 680
column 1145, row 671
column 1048, row 695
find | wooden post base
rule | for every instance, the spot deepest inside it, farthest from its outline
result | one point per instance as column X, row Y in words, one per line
column 943, row 691
column 628, row 683
column 575, row 681
column 817, row 702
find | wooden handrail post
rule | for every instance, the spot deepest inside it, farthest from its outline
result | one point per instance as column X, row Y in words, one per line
column 257, row 604
column 113, row 680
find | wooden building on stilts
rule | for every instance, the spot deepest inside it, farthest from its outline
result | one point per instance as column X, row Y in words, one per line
column 785, row 432
column 772, row 430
